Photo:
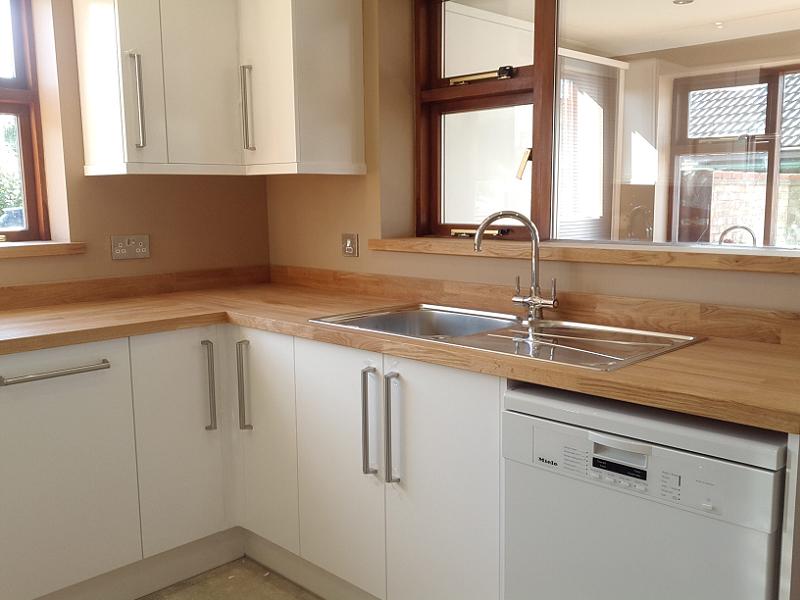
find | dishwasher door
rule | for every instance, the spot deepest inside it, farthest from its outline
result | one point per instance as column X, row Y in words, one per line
column 592, row 516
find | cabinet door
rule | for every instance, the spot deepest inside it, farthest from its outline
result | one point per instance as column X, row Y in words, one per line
column 139, row 23
column 68, row 497
column 265, row 436
column 266, row 44
column 443, row 516
column 202, row 81
column 179, row 451
column 342, row 509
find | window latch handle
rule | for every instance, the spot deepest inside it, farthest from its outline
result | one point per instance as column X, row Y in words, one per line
column 527, row 156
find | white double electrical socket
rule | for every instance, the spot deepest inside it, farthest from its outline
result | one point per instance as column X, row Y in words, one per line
column 130, row 247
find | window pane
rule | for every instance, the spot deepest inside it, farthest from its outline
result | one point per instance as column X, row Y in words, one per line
column 719, row 191
column 481, row 152
column 483, row 35
column 7, row 64
column 790, row 123
column 12, row 193
column 728, row 111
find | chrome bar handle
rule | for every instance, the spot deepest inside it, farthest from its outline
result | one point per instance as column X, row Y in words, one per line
column 387, row 394
column 212, row 385
column 240, row 346
column 137, row 70
column 246, row 74
column 102, row 365
column 365, row 466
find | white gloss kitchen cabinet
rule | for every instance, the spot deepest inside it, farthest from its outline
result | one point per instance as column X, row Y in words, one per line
column 215, row 431
column 201, row 84
column 342, row 504
column 443, row 513
column 179, row 436
column 68, row 498
column 121, row 80
column 432, row 530
column 302, row 75
column 264, row 435
column 231, row 426
column 221, row 86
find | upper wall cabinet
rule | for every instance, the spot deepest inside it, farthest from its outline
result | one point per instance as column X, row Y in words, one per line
column 247, row 87
column 303, row 86
column 201, row 83
column 121, row 85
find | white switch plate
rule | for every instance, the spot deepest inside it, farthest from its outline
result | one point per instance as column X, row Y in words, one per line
column 350, row 245
column 130, row 247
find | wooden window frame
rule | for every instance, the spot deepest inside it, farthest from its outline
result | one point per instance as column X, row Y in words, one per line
column 768, row 142
column 19, row 96
column 435, row 97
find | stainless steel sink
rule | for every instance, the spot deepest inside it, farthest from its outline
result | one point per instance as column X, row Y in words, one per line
column 597, row 347
column 579, row 344
column 425, row 321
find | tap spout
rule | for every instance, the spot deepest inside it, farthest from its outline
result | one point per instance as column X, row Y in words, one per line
column 534, row 300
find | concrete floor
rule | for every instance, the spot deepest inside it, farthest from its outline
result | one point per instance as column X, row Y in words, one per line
column 240, row 580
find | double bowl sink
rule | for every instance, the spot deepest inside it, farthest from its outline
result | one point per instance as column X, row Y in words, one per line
column 597, row 347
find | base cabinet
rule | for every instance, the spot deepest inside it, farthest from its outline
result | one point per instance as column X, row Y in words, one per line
column 433, row 531
column 342, row 509
column 179, row 443
column 384, row 472
column 264, row 435
column 443, row 515
column 68, row 498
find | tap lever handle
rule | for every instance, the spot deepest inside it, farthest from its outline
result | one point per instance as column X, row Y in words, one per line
column 554, row 293
column 516, row 287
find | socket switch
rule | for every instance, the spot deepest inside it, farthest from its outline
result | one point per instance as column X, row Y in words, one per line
column 130, row 247
column 350, row 245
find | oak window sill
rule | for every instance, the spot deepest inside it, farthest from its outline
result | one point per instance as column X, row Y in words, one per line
column 9, row 250
column 723, row 259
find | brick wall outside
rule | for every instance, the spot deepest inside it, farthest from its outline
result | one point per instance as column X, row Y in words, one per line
column 738, row 198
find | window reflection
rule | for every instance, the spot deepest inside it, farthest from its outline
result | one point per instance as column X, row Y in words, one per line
column 718, row 192
column 707, row 130
column 483, row 35
column 728, row 111
column 586, row 158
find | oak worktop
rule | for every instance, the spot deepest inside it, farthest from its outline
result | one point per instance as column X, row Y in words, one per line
column 751, row 383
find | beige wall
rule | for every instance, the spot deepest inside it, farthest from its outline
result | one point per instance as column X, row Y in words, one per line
column 308, row 214
column 194, row 222
column 203, row 222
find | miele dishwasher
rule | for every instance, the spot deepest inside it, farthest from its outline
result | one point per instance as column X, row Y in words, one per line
column 611, row 501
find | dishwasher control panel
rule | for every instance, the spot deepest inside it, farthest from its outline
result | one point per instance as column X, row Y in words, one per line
column 717, row 488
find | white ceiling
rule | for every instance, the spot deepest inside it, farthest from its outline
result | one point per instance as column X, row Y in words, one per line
column 619, row 27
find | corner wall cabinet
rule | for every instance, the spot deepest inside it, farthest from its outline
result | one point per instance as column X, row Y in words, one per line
column 117, row 451
column 237, row 87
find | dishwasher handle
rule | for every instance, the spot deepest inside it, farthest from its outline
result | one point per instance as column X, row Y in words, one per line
column 620, row 443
